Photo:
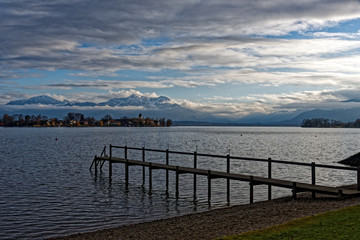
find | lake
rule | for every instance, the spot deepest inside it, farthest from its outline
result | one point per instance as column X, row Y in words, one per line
column 47, row 189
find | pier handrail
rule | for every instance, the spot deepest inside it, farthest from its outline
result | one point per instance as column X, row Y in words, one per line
column 239, row 158
column 267, row 180
column 228, row 158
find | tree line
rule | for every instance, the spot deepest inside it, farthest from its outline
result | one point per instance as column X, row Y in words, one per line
column 327, row 123
column 79, row 120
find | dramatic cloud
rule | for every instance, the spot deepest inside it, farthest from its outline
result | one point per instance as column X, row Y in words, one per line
column 99, row 49
column 86, row 35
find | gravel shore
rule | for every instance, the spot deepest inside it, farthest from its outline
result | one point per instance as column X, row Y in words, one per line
column 222, row 222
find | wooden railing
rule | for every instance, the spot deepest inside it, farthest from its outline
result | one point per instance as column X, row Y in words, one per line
column 313, row 166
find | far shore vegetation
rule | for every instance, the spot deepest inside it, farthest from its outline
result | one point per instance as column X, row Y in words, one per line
column 79, row 120
column 339, row 224
column 327, row 123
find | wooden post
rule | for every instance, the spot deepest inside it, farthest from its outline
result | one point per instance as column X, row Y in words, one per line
column 209, row 186
column 143, row 168
column 228, row 179
column 127, row 171
column 177, row 183
column 269, row 176
column 294, row 190
column 340, row 193
column 94, row 162
column 167, row 171
column 251, row 189
column 313, row 178
column 150, row 177
column 195, row 166
column 110, row 163
column 358, row 179
column 126, row 151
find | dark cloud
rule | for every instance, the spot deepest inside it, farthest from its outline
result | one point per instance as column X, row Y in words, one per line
column 85, row 34
column 346, row 95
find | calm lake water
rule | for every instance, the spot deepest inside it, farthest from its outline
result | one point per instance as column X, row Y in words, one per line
column 47, row 189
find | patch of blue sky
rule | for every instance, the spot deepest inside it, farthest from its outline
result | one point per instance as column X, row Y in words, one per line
column 291, row 35
column 86, row 45
column 348, row 53
column 138, row 48
column 178, row 92
column 148, row 42
column 346, row 26
column 138, row 75
column 133, row 49
column 127, row 49
column 349, row 26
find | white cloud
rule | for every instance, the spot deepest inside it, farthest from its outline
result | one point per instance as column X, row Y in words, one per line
column 56, row 36
column 204, row 43
column 127, row 93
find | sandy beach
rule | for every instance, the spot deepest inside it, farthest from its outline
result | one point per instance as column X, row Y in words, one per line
column 222, row 222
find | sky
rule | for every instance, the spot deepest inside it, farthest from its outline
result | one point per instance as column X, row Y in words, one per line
column 228, row 57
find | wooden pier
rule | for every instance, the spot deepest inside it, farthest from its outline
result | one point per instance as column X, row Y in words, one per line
column 296, row 187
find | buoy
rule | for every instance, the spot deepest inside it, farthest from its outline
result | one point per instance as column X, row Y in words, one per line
column 56, row 139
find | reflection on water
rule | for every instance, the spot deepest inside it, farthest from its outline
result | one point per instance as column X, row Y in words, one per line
column 47, row 189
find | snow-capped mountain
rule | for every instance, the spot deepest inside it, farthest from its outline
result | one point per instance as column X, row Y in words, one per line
column 157, row 107
column 44, row 100
column 133, row 100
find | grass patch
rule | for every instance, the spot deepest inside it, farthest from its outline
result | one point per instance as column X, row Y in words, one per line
column 339, row 224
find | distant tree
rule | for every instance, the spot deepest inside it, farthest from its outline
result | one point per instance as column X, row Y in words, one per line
column 162, row 122
column 149, row 122
column 91, row 121
column 168, row 123
column 357, row 123
column 107, row 117
column 8, row 120
column 21, row 120
column 38, row 119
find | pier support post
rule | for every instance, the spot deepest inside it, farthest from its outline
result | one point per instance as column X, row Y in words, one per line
column 195, row 166
column 294, row 190
column 150, row 177
column 228, row 179
column 177, row 183
column 340, row 194
column 313, row 178
column 251, row 189
column 209, row 186
column 127, row 172
column 269, row 176
column 126, row 152
column 110, row 163
column 143, row 168
column 167, row 171
column 358, row 179
column 95, row 165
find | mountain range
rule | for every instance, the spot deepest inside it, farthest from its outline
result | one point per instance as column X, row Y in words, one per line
column 131, row 106
column 163, row 107
column 132, row 100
